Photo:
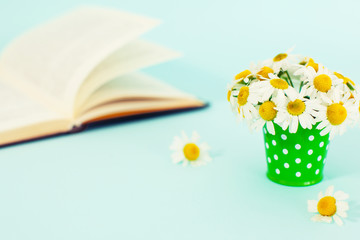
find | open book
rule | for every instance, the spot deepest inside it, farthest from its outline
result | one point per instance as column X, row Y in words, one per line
column 79, row 69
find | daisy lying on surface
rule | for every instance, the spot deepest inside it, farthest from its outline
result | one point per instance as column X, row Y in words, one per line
column 331, row 206
column 189, row 151
column 289, row 91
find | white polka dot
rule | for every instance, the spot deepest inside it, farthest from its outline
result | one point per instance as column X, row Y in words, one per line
column 286, row 165
column 317, row 171
column 321, row 144
column 324, row 160
column 298, row 174
column 309, row 165
column 298, row 160
column 269, row 160
column 283, row 136
column 319, row 158
column 310, row 152
column 285, row 151
column 267, row 145
column 276, row 157
column 311, row 138
column 327, row 147
column 297, row 146
column 277, row 171
column 274, row 142
column 264, row 130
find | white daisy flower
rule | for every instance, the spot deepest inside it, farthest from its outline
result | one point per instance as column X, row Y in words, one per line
column 304, row 60
column 261, row 70
column 322, row 84
column 267, row 114
column 283, row 61
column 304, row 65
column 274, row 87
column 347, row 83
column 297, row 110
column 189, row 151
column 244, row 76
column 331, row 206
column 356, row 95
column 335, row 116
column 230, row 97
column 246, row 99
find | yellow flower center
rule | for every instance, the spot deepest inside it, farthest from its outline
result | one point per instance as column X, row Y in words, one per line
column 191, row 151
column 279, row 83
column 267, row 111
column 280, row 57
column 312, row 64
column 243, row 95
column 326, row 206
column 322, row 83
column 296, row 107
column 242, row 75
column 336, row 113
column 229, row 95
column 264, row 72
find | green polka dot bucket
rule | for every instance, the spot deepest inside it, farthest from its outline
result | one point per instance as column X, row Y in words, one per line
column 295, row 159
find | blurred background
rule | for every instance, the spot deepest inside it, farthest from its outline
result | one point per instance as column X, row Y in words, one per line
column 73, row 187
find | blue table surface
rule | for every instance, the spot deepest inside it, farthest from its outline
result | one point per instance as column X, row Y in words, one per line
column 118, row 182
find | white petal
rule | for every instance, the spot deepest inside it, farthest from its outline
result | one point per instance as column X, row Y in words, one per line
column 285, row 125
column 326, row 219
column 195, row 137
column 329, row 191
column 184, row 137
column 294, row 125
column 270, row 127
column 342, row 206
column 176, row 144
column 338, row 220
column 312, row 206
column 321, row 125
column 341, row 213
column 177, row 157
column 332, row 133
column 340, row 195
column 325, row 131
column 316, row 218
column 320, row 195
column 302, row 121
column 204, row 147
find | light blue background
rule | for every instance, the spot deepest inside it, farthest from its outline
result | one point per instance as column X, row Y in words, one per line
column 118, row 182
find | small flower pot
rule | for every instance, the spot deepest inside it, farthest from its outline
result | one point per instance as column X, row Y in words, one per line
column 295, row 159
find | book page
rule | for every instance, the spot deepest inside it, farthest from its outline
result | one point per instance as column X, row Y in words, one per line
column 57, row 56
column 120, row 109
column 132, row 57
column 135, row 86
column 18, row 111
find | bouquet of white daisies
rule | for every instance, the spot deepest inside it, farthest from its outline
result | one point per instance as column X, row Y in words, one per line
column 291, row 90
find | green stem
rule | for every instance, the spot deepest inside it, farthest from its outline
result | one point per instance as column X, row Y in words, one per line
column 301, row 85
column 287, row 74
column 350, row 86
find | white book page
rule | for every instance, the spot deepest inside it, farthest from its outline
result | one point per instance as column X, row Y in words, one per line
column 132, row 57
column 57, row 56
column 134, row 86
column 18, row 110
